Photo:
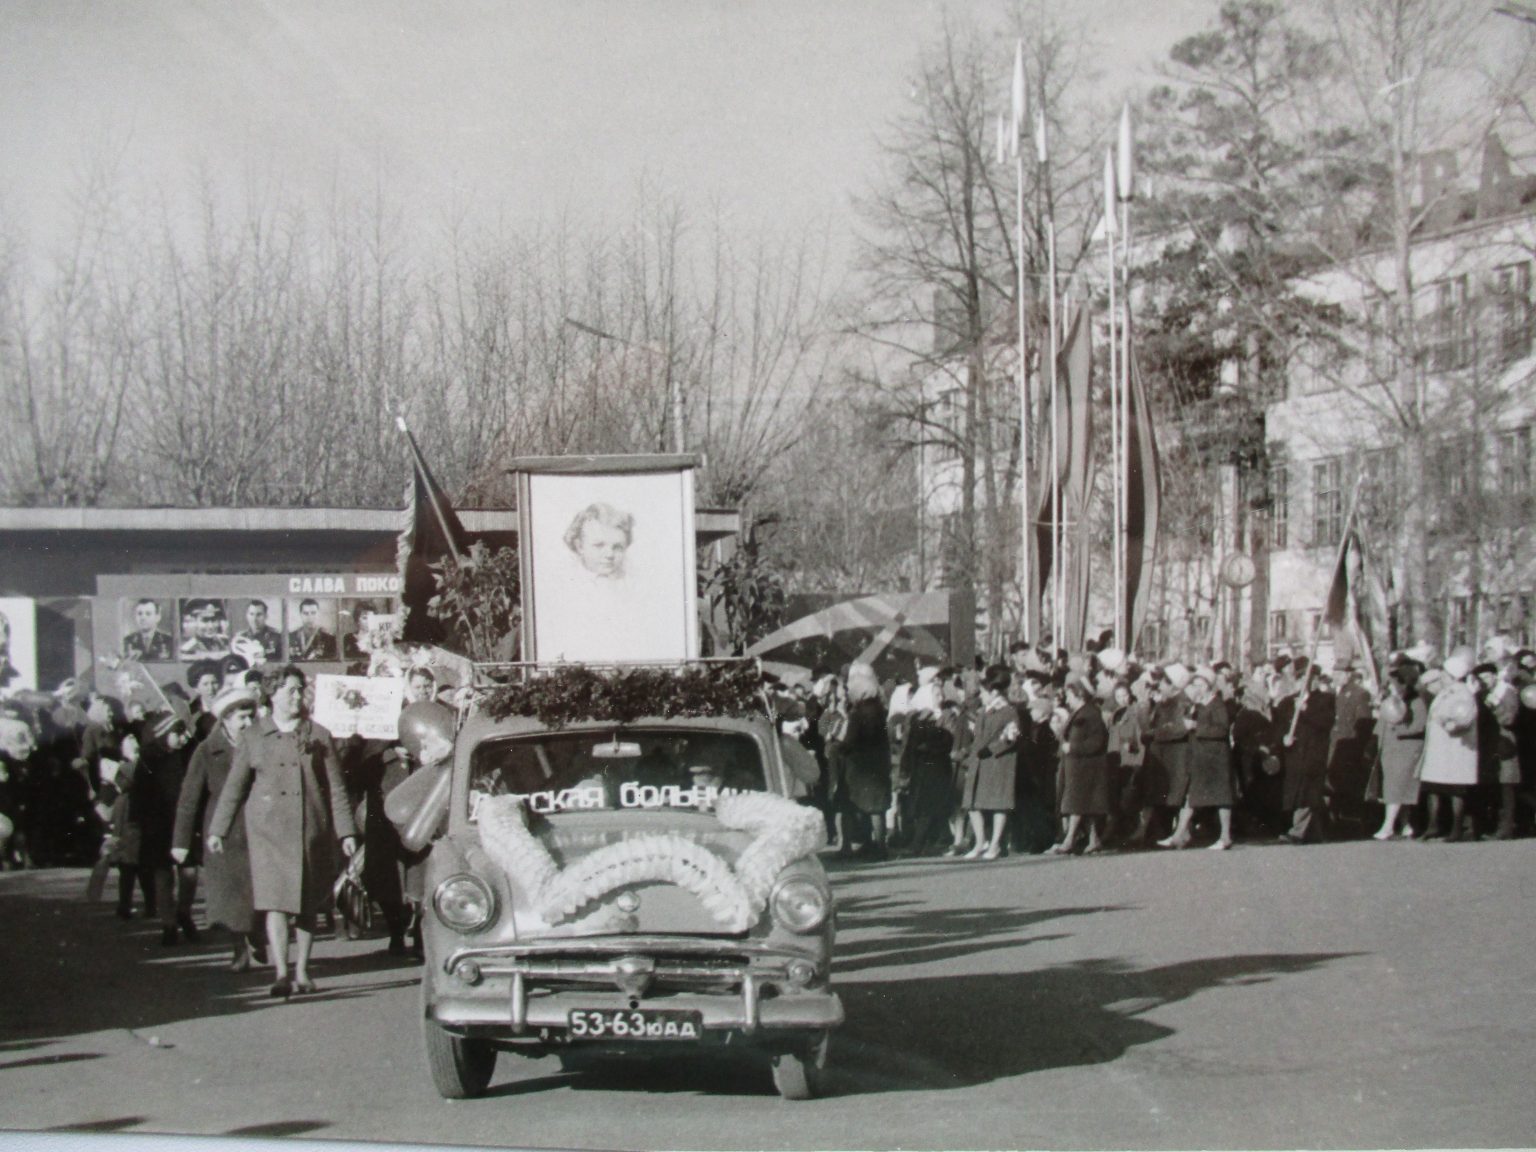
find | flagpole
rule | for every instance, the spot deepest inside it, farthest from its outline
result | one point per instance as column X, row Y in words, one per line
column 1055, row 484
column 1031, row 612
column 1125, row 177
column 1116, row 575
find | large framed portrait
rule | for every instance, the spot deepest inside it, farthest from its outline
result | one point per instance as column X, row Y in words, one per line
column 145, row 624
column 608, row 563
column 204, row 629
column 18, row 643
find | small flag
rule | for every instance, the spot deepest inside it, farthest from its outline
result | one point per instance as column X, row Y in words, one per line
column 1127, row 168
column 1109, row 193
column 1040, row 150
column 1357, row 603
column 1020, row 92
column 430, row 534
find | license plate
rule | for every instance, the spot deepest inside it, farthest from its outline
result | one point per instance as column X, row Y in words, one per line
column 634, row 1024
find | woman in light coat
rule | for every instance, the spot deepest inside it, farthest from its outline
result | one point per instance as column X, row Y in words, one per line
column 287, row 775
column 1450, row 746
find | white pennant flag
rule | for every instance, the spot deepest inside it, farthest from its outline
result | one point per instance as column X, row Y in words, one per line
column 1020, row 94
column 1127, row 172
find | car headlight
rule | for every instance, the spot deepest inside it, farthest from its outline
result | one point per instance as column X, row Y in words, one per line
column 465, row 903
column 800, row 905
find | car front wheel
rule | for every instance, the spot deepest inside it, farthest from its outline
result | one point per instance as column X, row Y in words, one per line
column 461, row 1067
column 797, row 1073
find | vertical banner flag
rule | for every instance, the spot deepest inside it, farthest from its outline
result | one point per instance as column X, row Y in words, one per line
column 1072, row 479
column 1143, row 501
column 1357, row 604
column 431, row 532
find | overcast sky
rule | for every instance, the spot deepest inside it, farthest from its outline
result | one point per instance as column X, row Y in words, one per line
column 525, row 108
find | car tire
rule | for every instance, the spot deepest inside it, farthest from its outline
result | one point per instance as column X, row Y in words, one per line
column 797, row 1073
column 461, row 1067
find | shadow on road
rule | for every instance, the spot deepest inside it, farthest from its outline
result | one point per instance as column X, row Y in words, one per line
column 74, row 968
column 957, row 1031
column 914, row 932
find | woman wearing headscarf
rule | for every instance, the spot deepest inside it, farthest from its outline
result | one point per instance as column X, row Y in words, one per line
column 1169, row 744
column 1400, row 735
column 226, row 879
column 286, row 773
column 1209, row 760
column 1084, row 768
column 865, row 752
column 990, row 783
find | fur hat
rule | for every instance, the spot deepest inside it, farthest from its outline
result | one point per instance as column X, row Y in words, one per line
column 863, row 684
column 1111, row 659
column 1177, row 675
column 1458, row 665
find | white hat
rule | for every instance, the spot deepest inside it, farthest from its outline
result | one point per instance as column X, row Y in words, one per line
column 1458, row 665
column 1177, row 675
column 1423, row 653
column 927, row 674
column 1206, row 673
column 1111, row 659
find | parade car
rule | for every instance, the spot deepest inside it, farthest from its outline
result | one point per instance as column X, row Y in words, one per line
column 626, row 888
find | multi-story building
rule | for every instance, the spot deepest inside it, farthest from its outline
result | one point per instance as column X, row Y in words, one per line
column 1422, row 411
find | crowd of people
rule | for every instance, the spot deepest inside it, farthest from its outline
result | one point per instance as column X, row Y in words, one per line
column 1050, row 752
column 227, row 788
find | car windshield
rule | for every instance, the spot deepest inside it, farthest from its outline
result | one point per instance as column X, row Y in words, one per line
column 623, row 769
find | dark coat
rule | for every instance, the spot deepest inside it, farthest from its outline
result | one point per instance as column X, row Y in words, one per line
column 1085, row 764
column 990, row 783
column 152, row 800
column 1167, row 753
column 295, row 813
column 1210, row 756
column 1402, row 747
column 226, row 878
column 1306, row 760
column 371, row 768
column 865, row 752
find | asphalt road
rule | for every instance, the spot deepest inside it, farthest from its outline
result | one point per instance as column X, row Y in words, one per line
column 1346, row 995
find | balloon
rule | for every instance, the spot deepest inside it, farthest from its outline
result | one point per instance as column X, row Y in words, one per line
column 425, row 727
column 1458, row 712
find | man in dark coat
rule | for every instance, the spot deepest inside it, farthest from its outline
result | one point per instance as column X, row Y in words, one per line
column 1350, row 748
column 152, row 798
column 1306, row 720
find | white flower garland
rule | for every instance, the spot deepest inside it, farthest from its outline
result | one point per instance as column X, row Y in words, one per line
column 783, row 831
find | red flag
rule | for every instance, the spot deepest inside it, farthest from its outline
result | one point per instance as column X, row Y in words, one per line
column 1143, row 487
column 431, row 533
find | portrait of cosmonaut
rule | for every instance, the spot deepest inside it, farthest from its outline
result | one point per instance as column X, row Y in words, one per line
column 144, row 639
column 204, row 629
column 258, row 641
column 312, row 630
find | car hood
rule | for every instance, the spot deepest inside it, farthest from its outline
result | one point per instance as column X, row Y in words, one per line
column 601, row 873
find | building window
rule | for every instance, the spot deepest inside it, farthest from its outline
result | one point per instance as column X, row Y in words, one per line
column 1152, row 639
column 1378, row 496
column 1454, row 467
column 1279, row 506
column 1381, row 339
column 1327, row 503
column 1515, row 461
column 1512, row 617
column 1279, row 631
column 1512, row 308
column 1449, row 345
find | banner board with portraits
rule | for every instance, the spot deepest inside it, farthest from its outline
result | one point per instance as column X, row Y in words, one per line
column 18, row 644
column 173, row 623
column 607, row 559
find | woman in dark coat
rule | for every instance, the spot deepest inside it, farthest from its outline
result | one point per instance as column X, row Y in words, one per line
column 297, row 809
column 1400, row 735
column 991, row 762
column 1209, row 759
column 865, row 754
column 226, row 875
column 1084, row 768
column 371, row 768
column 926, row 761
column 1168, row 745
